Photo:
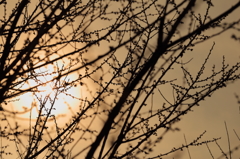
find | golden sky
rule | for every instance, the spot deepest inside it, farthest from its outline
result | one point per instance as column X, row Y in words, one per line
column 221, row 106
column 210, row 116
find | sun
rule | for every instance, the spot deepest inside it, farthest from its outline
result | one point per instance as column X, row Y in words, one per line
column 44, row 80
column 46, row 89
column 50, row 97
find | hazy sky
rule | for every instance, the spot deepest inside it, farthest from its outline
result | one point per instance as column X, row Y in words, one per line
column 222, row 106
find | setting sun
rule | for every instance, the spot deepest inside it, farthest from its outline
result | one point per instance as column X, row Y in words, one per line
column 51, row 96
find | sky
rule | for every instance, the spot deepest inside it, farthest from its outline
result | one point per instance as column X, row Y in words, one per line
column 214, row 112
column 221, row 106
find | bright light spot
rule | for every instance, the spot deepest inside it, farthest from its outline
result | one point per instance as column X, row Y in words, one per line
column 46, row 89
column 50, row 96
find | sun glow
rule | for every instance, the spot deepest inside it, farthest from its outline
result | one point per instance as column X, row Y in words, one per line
column 53, row 97
column 46, row 89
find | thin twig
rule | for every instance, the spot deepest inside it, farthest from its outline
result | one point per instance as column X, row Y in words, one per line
column 229, row 147
column 209, row 151
column 236, row 134
column 187, row 146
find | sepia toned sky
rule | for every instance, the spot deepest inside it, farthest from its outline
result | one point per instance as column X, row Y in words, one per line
column 212, row 113
column 221, row 106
